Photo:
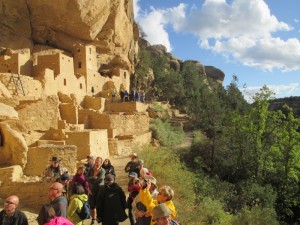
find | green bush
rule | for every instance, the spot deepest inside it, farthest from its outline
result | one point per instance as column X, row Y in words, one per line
column 168, row 170
column 257, row 216
column 166, row 133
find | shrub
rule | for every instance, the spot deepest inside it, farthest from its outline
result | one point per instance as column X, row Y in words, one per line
column 166, row 133
column 257, row 216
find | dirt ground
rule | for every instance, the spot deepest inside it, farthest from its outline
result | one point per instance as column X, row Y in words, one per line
column 122, row 179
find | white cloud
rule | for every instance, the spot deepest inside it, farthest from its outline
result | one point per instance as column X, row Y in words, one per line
column 136, row 8
column 242, row 30
column 154, row 23
column 279, row 90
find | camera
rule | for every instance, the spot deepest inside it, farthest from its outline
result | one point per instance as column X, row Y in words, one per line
column 144, row 183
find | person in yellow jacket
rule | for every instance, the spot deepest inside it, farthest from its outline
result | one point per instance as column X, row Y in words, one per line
column 165, row 196
column 76, row 204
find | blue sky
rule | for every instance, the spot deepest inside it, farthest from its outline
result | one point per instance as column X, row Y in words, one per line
column 256, row 40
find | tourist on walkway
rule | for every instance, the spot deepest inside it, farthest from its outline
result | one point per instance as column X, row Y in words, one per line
column 80, row 178
column 133, row 188
column 165, row 196
column 142, row 170
column 95, row 177
column 47, row 217
column 65, row 181
column 89, row 164
column 131, row 166
column 58, row 201
column 111, row 203
column 10, row 215
column 76, row 204
column 161, row 215
column 139, row 210
column 108, row 167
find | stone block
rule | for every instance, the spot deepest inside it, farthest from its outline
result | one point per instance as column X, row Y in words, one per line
column 38, row 158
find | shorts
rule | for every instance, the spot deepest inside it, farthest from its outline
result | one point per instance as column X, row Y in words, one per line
column 92, row 201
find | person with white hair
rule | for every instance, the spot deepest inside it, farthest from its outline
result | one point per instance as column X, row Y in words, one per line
column 161, row 215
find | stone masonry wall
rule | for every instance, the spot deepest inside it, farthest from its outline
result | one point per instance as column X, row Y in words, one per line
column 41, row 114
column 38, row 158
column 89, row 142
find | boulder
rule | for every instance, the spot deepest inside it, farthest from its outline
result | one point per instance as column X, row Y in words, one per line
column 7, row 112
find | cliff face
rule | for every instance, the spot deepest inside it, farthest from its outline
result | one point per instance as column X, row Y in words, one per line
column 177, row 64
column 107, row 24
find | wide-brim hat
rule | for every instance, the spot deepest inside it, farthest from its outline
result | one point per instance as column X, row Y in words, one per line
column 133, row 155
column 151, row 179
column 133, row 175
column 160, row 211
column 55, row 159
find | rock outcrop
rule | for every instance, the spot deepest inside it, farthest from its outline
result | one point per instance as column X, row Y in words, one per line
column 177, row 64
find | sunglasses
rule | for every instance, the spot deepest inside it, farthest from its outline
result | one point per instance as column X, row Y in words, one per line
column 52, row 188
column 9, row 202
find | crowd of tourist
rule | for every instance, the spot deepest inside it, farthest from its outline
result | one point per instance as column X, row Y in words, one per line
column 132, row 96
column 92, row 193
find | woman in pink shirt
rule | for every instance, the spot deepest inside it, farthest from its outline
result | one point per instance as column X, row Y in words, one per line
column 47, row 217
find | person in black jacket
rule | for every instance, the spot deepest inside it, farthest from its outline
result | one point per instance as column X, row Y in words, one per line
column 10, row 214
column 111, row 202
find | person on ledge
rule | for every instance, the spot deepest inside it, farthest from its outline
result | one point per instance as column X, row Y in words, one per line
column 55, row 170
column 131, row 166
column 10, row 215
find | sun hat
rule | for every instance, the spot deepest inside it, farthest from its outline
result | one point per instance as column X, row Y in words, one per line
column 159, row 211
column 55, row 159
column 133, row 175
column 133, row 155
column 151, row 179
column 140, row 162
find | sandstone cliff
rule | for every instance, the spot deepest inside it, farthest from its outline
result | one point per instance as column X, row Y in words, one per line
column 107, row 24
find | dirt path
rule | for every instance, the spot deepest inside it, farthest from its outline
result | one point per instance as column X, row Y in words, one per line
column 187, row 142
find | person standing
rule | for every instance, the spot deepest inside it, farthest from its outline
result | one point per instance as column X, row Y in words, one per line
column 139, row 210
column 89, row 164
column 80, row 178
column 161, row 215
column 111, row 202
column 76, row 204
column 47, row 217
column 108, row 167
column 10, row 215
column 57, row 200
column 95, row 178
column 131, row 166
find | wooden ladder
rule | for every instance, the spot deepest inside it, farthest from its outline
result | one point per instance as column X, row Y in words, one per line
column 15, row 81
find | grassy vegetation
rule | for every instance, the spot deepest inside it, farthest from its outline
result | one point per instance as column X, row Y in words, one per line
column 166, row 133
column 199, row 199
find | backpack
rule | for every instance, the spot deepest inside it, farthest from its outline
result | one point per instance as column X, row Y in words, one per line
column 85, row 212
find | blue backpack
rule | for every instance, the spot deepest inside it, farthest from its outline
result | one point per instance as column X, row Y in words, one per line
column 85, row 212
